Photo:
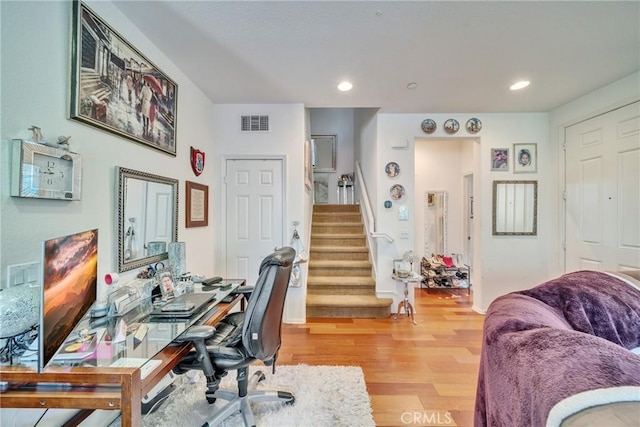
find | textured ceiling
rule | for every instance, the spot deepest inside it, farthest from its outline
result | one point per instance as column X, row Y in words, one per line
column 462, row 54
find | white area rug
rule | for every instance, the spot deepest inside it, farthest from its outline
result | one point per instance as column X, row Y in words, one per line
column 325, row 396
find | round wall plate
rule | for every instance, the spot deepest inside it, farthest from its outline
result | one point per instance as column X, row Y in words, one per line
column 451, row 126
column 397, row 192
column 473, row 125
column 392, row 169
column 428, row 126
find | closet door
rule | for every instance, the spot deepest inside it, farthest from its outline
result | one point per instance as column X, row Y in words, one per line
column 603, row 191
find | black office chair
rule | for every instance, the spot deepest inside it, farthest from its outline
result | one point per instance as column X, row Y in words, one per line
column 242, row 338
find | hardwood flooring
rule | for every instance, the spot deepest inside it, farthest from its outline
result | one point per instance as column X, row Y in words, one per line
column 417, row 375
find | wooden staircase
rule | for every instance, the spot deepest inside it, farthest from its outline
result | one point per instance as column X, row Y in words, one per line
column 340, row 283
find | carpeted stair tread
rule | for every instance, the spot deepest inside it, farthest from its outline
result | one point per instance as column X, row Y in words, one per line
column 341, row 281
column 348, row 301
column 340, row 264
column 332, row 248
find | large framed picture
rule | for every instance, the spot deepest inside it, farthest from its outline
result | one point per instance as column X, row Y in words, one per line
column 116, row 88
column 525, row 158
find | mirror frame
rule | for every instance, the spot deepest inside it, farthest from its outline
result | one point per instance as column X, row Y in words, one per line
column 527, row 206
column 329, row 137
column 123, row 174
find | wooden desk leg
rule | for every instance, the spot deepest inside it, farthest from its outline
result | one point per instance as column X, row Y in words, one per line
column 131, row 404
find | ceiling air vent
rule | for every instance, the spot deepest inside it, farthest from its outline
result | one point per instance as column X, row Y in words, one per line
column 254, row 123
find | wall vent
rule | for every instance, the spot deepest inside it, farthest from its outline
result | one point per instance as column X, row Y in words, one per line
column 254, row 123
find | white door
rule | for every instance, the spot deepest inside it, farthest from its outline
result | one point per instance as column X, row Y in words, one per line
column 255, row 214
column 603, row 192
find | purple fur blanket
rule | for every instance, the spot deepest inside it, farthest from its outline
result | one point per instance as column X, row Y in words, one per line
column 542, row 345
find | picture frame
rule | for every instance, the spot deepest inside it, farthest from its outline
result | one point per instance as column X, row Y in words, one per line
column 197, row 205
column 114, row 87
column 525, row 158
column 500, row 159
column 308, row 167
column 165, row 281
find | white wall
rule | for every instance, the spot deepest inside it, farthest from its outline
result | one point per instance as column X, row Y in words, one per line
column 285, row 139
column 498, row 268
column 338, row 121
column 440, row 165
column 35, row 84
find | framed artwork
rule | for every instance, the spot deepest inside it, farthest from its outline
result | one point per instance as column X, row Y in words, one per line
column 525, row 158
column 166, row 283
column 116, row 88
column 392, row 169
column 197, row 203
column 500, row 159
column 515, row 208
column 308, row 167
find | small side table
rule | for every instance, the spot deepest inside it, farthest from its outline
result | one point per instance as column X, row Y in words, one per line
column 345, row 187
column 408, row 308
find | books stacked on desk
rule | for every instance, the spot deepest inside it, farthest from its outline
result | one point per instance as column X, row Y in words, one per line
column 80, row 348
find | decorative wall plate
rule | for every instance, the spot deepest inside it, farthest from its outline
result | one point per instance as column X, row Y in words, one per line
column 428, row 126
column 473, row 125
column 451, row 126
column 397, row 192
column 392, row 169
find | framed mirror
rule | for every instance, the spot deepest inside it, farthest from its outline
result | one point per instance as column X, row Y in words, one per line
column 324, row 153
column 435, row 222
column 515, row 208
column 147, row 218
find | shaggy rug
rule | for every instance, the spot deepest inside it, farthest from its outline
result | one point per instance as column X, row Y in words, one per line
column 325, row 396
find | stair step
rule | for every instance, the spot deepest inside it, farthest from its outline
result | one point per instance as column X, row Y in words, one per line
column 320, row 253
column 339, row 268
column 336, row 208
column 345, row 217
column 338, row 240
column 358, row 306
column 341, row 285
column 337, row 228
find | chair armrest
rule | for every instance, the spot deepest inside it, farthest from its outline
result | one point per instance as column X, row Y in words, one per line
column 244, row 290
column 195, row 333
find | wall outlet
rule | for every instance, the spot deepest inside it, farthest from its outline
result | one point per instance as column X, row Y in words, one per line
column 20, row 274
column 404, row 234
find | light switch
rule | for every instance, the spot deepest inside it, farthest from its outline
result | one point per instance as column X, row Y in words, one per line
column 404, row 234
column 19, row 274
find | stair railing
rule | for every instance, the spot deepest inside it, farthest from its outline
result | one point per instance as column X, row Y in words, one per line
column 369, row 224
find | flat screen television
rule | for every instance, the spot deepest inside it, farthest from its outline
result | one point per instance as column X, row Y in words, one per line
column 70, row 276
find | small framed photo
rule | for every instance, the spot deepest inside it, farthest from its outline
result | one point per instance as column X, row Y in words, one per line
column 525, row 158
column 500, row 159
column 164, row 279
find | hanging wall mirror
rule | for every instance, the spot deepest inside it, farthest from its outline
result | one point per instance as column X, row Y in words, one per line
column 147, row 217
column 515, row 208
column 435, row 223
column 324, row 153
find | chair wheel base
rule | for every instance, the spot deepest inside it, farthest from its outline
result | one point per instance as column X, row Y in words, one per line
column 291, row 399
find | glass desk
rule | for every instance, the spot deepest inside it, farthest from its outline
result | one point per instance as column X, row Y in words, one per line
column 101, row 380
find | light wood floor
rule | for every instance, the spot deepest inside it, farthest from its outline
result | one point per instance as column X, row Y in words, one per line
column 416, row 375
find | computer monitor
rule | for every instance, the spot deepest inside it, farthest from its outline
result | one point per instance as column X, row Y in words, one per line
column 70, row 276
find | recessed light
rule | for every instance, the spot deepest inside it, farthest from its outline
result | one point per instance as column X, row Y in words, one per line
column 520, row 85
column 345, row 86
column 412, row 85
